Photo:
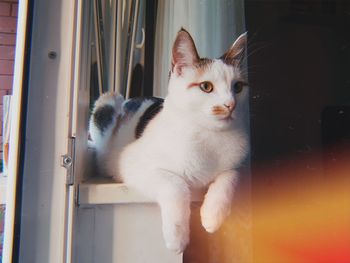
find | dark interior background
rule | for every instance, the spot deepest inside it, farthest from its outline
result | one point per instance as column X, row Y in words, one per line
column 299, row 65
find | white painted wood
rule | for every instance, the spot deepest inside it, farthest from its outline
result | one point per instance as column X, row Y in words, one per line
column 117, row 224
column 71, row 209
column 80, row 99
column 106, row 191
column 81, row 89
column 84, row 243
column 125, row 233
column 80, row 116
column 44, row 197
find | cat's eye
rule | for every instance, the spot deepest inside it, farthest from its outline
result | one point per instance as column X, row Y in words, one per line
column 206, row 86
column 238, row 87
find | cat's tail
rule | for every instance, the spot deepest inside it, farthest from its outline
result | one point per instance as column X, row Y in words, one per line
column 107, row 109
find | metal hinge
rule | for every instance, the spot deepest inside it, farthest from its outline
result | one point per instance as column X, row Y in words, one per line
column 67, row 161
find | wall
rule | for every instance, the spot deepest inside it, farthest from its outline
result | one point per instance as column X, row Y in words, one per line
column 8, row 23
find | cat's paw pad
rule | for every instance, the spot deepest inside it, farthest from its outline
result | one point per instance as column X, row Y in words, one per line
column 213, row 217
column 176, row 238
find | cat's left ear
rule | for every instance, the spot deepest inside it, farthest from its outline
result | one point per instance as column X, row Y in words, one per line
column 234, row 55
column 184, row 53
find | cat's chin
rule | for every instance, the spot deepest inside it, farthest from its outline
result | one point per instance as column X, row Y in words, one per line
column 221, row 124
column 227, row 119
column 225, row 124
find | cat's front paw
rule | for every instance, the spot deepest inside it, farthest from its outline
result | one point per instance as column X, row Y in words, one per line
column 176, row 237
column 213, row 215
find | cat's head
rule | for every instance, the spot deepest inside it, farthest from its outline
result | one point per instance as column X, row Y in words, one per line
column 212, row 91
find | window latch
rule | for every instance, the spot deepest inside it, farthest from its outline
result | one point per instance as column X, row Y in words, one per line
column 67, row 161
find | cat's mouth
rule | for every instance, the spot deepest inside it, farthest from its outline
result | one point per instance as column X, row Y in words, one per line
column 222, row 113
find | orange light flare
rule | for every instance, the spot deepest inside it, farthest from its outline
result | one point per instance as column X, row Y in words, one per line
column 294, row 210
column 301, row 210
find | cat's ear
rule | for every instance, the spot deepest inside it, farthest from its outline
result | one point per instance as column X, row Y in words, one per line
column 184, row 52
column 234, row 55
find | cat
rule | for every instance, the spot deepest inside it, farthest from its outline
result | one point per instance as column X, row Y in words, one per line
column 196, row 137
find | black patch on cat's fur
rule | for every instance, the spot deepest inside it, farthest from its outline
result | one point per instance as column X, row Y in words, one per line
column 103, row 117
column 133, row 105
column 148, row 115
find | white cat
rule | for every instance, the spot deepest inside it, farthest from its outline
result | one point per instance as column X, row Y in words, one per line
column 196, row 138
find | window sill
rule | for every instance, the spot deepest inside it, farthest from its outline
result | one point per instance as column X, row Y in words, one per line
column 98, row 191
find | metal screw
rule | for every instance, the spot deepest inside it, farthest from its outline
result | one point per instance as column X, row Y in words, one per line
column 67, row 161
column 52, row 55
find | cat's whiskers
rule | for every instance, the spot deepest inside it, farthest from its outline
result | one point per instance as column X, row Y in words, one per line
column 260, row 46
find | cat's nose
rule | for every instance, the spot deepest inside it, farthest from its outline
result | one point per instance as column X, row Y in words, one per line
column 230, row 105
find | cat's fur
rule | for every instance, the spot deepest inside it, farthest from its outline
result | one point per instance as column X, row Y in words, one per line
column 192, row 140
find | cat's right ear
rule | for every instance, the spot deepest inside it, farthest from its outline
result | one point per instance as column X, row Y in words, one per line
column 184, row 52
column 234, row 55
